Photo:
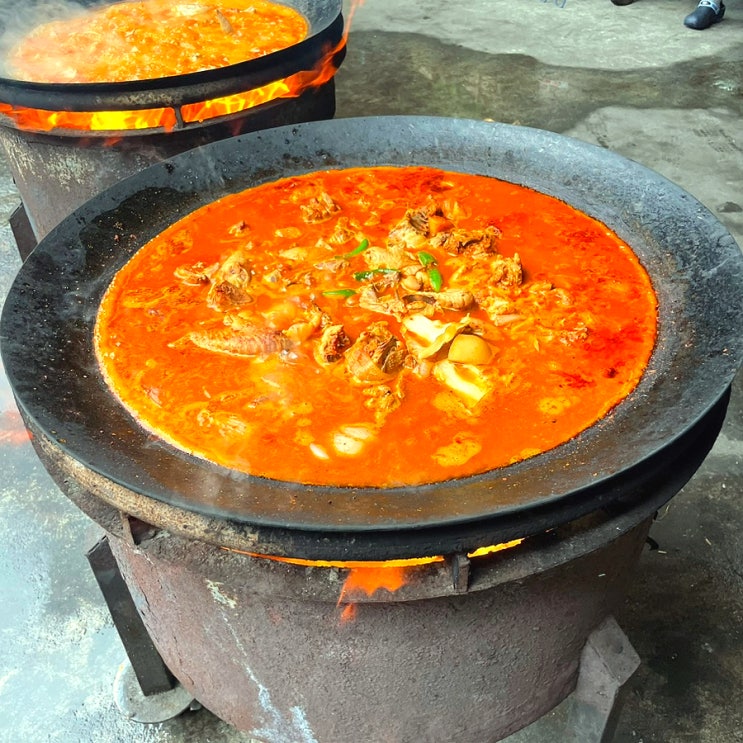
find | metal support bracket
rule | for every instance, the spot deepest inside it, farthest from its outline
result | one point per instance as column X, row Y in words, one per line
column 23, row 232
column 460, row 572
column 607, row 664
column 149, row 668
column 144, row 689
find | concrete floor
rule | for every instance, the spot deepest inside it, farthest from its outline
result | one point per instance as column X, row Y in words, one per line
column 631, row 79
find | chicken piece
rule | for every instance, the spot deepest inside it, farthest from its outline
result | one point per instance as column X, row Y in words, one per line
column 498, row 306
column 296, row 254
column 238, row 228
column 418, row 304
column 302, row 329
column 453, row 299
column 411, row 232
column 459, row 451
column 370, row 300
column 333, row 342
column 476, row 244
column 334, row 265
column 506, row 271
column 343, row 232
column 391, row 256
column 382, row 400
column 319, row 209
column 230, row 283
column 414, row 278
column 196, row 274
column 248, row 341
column 224, row 296
column 429, row 219
column 376, row 356
column 295, row 320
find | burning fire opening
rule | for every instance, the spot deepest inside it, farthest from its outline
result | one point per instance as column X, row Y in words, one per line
column 368, row 577
column 169, row 118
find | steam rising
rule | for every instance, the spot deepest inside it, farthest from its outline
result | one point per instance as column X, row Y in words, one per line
column 18, row 20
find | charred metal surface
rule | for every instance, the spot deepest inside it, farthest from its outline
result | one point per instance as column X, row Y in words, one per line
column 97, row 509
column 105, row 500
column 408, row 666
column 148, row 666
column 460, row 573
column 650, row 444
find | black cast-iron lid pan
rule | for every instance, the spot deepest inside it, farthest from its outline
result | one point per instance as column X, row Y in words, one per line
column 694, row 263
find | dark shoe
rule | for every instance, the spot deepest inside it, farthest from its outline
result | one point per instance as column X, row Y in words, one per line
column 707, row 13
column 623, row 2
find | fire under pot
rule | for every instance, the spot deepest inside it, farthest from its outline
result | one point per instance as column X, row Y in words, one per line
column 464, row 647
column 66, row 142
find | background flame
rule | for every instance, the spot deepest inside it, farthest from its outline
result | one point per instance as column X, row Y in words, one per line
column 165, row 118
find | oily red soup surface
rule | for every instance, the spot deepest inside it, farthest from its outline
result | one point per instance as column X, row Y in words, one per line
column 377, row 327
column 154, row 38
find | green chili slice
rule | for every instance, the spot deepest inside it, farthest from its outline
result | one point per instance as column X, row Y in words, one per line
column 434, row 275
column 339, row 293
column 362, row 246
column 426, row 259
column 437, row 281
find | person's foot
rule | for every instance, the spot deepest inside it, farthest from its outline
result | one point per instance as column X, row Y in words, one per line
column 706, row 13
column 623, row 2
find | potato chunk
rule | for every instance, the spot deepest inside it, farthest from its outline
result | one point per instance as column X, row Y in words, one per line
column 470, row 349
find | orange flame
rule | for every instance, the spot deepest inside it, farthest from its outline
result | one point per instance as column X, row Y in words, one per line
column 367, row 577
column 165, row 118
column 349, row 613
column 290, row 87
column 371, row 580
column 12, row 429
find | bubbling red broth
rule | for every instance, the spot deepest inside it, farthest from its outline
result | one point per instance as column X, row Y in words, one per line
column 378, row 327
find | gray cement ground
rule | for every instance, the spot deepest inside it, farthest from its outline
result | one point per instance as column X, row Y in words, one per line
column 631, row 79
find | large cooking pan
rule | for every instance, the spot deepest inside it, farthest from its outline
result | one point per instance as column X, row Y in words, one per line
column 652, row 442
column 325, row 21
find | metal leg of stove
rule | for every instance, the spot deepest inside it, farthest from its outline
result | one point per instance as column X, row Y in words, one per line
column 607, row 664
column 23, row 232
column 144, row 689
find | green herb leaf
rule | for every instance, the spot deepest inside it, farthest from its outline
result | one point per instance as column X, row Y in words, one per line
column 339, row 293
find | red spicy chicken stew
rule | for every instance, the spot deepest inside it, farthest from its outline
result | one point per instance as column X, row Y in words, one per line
column 377, row 327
